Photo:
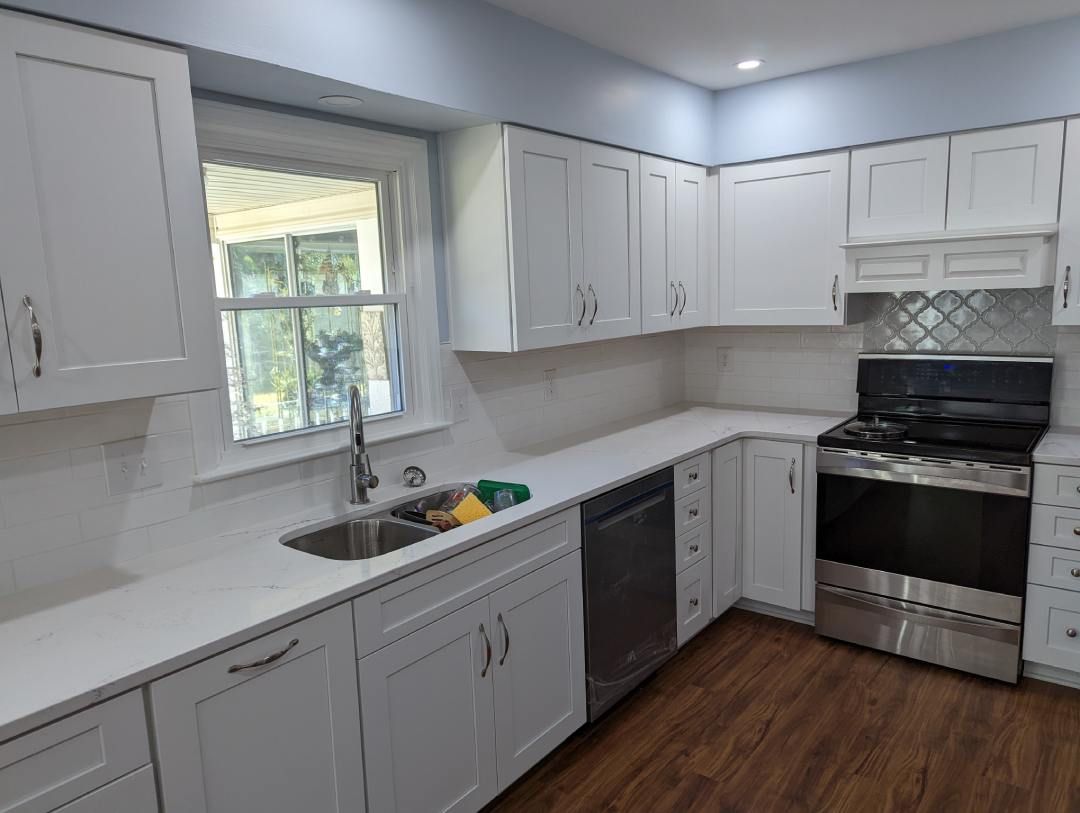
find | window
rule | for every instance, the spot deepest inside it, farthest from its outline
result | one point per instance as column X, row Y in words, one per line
column 323, row 278
column 306, row 307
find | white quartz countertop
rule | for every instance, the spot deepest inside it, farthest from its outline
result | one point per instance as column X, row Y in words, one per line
column 68, row 645
column 1060, row 445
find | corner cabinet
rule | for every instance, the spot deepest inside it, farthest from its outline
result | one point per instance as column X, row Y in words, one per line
column 272, row 726
column 106, row 276
column 782, row 224
column 772, row 522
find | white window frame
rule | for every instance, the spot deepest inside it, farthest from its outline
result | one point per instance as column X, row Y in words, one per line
column 240, row 135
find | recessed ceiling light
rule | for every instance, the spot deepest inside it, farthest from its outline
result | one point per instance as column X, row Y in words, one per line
column 340, row 101
column 749, row 64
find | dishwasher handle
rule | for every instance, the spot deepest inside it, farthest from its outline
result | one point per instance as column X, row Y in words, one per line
column 635, row 508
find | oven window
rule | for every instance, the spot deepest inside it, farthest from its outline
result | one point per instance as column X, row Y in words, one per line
column 965, row 538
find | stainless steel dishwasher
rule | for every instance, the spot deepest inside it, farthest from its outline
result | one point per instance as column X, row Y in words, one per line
column 629, row 578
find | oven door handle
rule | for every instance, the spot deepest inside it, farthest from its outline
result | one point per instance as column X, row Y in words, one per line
column 985, row 627
column 1011, row 482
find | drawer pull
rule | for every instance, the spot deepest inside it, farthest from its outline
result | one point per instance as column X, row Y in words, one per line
column 1076, row 531
column 692, row 476
column 692, row 513
column 1075, row 572
column 694, row 603
column 1071, row 632
column 695, row 549
column 269, row 659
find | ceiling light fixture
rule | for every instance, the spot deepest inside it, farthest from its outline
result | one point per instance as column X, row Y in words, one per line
column 749, row 64
column 340, row 101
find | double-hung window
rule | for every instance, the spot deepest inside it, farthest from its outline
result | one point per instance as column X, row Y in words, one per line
column 322, row 271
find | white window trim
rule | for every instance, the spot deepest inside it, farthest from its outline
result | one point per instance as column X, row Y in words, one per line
column 274, row 140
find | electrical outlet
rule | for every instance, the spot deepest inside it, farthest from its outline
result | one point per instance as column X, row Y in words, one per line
column 721, row 359
column 131, row 465
column 459, row 403
column 549, row 385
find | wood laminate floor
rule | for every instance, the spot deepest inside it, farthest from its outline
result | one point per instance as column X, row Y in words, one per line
column 760, row 714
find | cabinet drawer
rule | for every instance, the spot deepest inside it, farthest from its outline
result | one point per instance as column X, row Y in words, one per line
column 694, row 591
column 1052, row 627
column 692, row 546
column 1057, row 485
column 691, row 475
column 393, row 611
column 1054, row 567
column 692, row 511
column 135, row 793
column 1055, row 526
column 59, row 763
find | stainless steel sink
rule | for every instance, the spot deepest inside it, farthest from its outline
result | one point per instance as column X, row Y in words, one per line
column 360, row 538
column 413, row 511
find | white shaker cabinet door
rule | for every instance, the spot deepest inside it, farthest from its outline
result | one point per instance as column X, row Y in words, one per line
column 659, row 296
column 1067, row 278
column 427, row 707
column 899, row 188
column 772, row 522
column 539, row 665
column 691, row 247
column 781, row 227
column 611, row 242
column 727, row 478
column 1005, row 178
column 544, row 180
column 272, row 726
column 106, row 273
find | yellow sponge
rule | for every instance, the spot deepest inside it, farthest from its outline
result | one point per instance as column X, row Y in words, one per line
column 470, row 509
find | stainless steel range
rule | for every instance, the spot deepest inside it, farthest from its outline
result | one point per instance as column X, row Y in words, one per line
column 923, row 507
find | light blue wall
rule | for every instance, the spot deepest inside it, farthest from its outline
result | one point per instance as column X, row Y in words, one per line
column 1019, row 75
column 463, row 54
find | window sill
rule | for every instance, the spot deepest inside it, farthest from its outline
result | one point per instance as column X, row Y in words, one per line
column 228, row 470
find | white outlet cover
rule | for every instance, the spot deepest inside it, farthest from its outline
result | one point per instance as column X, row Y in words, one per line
column 131, row 465
column 459, row 403
column 721, row 359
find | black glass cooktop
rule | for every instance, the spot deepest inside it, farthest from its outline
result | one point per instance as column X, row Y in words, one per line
column 1009, row 444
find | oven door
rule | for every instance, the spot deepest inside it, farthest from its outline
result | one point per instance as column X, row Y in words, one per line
column 947, row 535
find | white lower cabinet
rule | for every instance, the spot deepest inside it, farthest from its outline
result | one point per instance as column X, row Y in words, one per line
column 772, row 522
column 272, row 726
column 727, row 477
column 458, row 710
column 693, row 589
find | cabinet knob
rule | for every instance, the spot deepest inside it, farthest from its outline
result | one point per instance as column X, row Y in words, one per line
column 695, row 549
column 694, row 603
column 1071, row 632
column 1076, row 531
column 693, row 512
column 1075, row 572
column 692, row 476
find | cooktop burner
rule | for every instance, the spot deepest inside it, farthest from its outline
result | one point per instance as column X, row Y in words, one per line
column 875, row 429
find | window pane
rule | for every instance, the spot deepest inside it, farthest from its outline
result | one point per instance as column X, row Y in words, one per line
column 258, row 268
column 328, row 264
column 262, row 372
column 350, row 345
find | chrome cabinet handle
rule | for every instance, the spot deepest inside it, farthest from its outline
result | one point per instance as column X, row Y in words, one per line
column 694, row 548
column 487, row 651
column 692, row 476
column 674, row 307
column 1076, row 531
column 1075, row 572
column 681, row 288
column 835, row 291
column 693, row 512
column 694, row 602
column 1071, row 632
column 1065, row 287
column 35, row 331
column 595, row 304
column 506, row 640
column 791, row 476
column 269, row 659
column 581, row 318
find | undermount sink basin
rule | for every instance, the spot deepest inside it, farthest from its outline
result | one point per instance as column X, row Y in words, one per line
column 360, row 538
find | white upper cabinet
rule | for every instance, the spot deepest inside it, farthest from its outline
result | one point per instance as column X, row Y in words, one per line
column 544, row 180
column 611, row 219
column 782, row 224
column 1067, row 283
column 691, row 247
column 1005, row 178
column 899, row 188
column 106, row 274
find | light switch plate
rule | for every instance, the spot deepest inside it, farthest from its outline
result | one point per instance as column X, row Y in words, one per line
column 131, row 465
column 459, row 403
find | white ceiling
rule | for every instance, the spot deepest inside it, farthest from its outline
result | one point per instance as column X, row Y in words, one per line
column 701, row 40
